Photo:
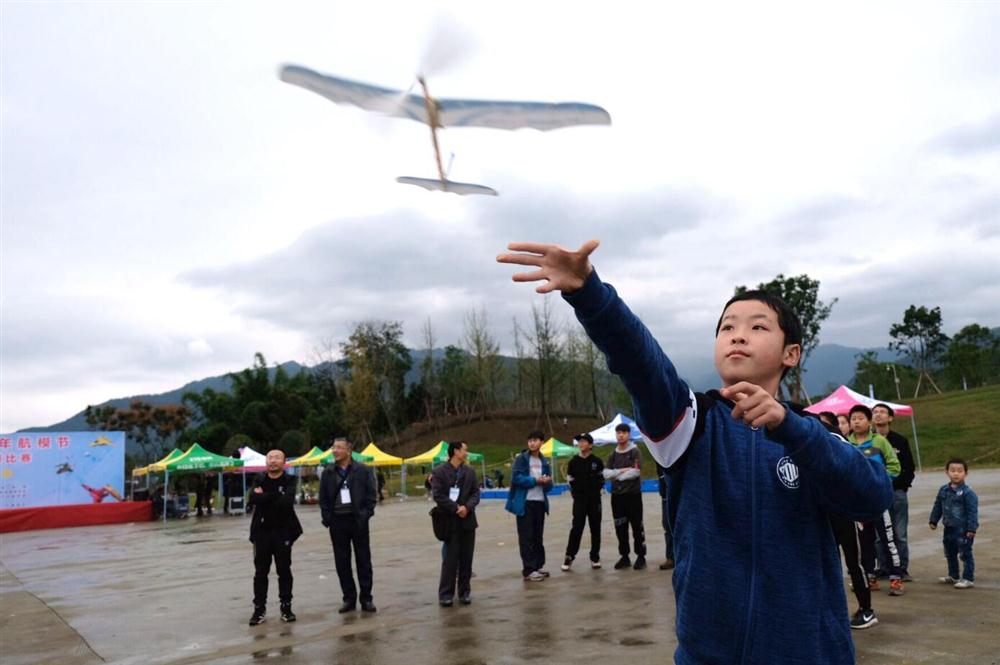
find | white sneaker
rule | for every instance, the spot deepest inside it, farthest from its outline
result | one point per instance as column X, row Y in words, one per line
column 947, row 580
column 595, row 564
column 535, row 577
column 567, row 562
column 964, row 584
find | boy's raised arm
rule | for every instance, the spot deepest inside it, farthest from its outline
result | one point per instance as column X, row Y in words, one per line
column 665, row 407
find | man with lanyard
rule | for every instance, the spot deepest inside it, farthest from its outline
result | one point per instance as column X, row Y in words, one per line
column 874, row 446
column 624, row 470
column 273, row 529
column 586, row 480
column 347, row 498
column 882, row 417
column 456, row 491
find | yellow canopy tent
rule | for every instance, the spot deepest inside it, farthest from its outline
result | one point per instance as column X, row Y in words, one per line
column 144, row 470
column 381, row 458
column 437, row 455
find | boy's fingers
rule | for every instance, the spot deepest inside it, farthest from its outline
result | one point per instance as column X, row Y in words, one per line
column 533, row 247
column 588, row 247
column 520, row 259
column 529, row 276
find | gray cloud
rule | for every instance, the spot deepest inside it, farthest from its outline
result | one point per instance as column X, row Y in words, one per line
column 971, row 138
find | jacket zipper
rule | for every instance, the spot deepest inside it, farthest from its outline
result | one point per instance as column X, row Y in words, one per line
column 753, row 546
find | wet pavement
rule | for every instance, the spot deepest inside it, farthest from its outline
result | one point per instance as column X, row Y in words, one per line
column 144, row 593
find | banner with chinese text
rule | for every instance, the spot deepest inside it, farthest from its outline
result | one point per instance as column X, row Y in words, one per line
column 60, row 468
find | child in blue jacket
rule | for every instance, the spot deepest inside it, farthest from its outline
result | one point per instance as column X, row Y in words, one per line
column 958, row 505
column 528, row 500
column 758, row 576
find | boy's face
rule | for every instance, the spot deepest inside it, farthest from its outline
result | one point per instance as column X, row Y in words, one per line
column 844, row 424
column 751, row 346
column 584, row 446
column 956, row 473
column 860, row 424
column 534, row 445
column 621, row 437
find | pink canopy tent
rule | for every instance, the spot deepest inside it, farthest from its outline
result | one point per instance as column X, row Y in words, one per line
column 843, row 398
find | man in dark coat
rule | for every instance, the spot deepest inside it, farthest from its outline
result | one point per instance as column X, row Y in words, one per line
column 273, row 530
column 347, row 498
column 456, row 493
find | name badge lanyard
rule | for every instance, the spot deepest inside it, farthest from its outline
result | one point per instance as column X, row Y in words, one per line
column 345, row 492
column 453, row 492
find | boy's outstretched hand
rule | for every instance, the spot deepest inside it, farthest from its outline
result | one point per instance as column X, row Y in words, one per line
column 563, row 269
column 754, row 405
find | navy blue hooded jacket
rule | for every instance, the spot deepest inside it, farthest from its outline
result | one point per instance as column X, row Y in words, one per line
column 758, row 576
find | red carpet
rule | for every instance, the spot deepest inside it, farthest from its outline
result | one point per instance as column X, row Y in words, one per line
column 85, row 514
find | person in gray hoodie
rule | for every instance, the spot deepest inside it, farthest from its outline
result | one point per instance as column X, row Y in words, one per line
column 623, row 469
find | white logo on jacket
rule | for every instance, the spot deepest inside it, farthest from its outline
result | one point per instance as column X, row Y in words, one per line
column 788, row 473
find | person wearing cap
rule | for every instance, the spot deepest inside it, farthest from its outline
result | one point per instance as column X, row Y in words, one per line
column 624, row 469
column 586, row 480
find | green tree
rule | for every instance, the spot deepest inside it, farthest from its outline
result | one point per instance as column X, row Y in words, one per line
column 387, row 360
column 801, row 293
column 919, row 337
column 972, row 356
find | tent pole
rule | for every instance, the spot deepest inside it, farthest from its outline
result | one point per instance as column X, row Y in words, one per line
column 916, row 442
column 244, row 474
column 219, row 495
column 402, row 481
column 166, row 491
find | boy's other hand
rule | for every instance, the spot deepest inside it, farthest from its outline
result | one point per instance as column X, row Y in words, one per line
column 932, row 526
column 970, row 534
column 562, row 269
column 754, row 405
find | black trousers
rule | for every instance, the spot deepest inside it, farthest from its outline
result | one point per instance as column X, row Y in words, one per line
column 849, row 540
column 585, row 508
column 882, row 526
column 530, row 534
column 456, row 563
column 627, row 511
column 345, row 534
column 269, row 546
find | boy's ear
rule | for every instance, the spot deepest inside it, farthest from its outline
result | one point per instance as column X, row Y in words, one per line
column 792, row 355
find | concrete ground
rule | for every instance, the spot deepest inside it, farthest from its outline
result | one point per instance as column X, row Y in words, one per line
column 144, row 593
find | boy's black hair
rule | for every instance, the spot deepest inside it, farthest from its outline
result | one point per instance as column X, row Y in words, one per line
column 860, row 408
column 454, row 447
column 892, row 414
column 957, row 460
column 829, row 416
column 788, row 320
column 622, row 427
column 536, row 434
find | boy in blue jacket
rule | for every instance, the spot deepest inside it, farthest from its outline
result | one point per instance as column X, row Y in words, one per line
column 751, row 482
column 958, row 505
column 528, row 499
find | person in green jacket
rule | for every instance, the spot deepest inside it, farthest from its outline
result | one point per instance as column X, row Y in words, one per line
column 877, row 448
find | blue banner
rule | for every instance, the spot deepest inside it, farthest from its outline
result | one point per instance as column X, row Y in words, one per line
column 61, row 468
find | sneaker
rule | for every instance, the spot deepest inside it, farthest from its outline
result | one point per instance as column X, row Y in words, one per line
column 640, row 563
column 543, row 573
column 896, row 587
column 873, row 584
column 286, row 614
column 947, row 580
column 623, row 562
column 667, row 565
column 964, row 584
column 535, row 577
column 259, row 616
column 567, row 562
column 863, row 619
column 595, row 564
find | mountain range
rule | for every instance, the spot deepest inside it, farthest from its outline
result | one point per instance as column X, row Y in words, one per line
column 829, row 366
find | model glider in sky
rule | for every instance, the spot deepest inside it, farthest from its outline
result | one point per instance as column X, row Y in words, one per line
column 441, row 113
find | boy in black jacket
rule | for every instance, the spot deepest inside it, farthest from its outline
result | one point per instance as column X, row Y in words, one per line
column 586, row 480
column 273, row 529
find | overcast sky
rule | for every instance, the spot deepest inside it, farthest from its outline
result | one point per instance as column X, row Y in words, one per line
column 169, row 206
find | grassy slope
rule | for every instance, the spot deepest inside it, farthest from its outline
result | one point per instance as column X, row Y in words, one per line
column 961, row 423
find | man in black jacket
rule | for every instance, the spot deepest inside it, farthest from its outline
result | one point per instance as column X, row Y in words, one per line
column 273, row 529
column 455, row 490
column 586, row 480
column 347, row 498
column 882, row 416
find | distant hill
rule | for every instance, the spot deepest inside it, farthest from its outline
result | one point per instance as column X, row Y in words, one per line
column 829, row 366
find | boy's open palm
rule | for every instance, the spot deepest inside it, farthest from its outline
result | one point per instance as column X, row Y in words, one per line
column 562, row 269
